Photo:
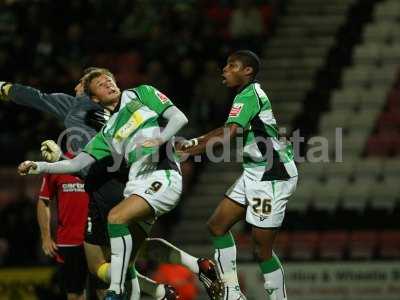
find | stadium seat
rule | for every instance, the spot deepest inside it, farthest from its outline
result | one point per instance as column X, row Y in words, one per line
column 330, row 121
column 303, row 245
column 321, row 51
column 368, row 53
column 384, row 195
column 387, row 10
column 355, row 195
column 342, row 170
column 312, row 62
column 373, row 99
column 390, row 54
column 303, row 194
column 395, row 37
column 378, row 32
column 377, row 146
column 346, row 99
column 389, row 244
column 312, row 170
column 369, row 168
column 391, row 169
column 353, row 145
column 306, row 73
column 281, row 244
column 393, row 101
column 363, row 120
column 385, row 75
column 396, row 144
column 362, row 244
column 389, row 121
column 326, row 196
column 333, row 245
column 243, row 241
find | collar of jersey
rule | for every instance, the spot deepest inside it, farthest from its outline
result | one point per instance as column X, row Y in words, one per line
column 245, row 87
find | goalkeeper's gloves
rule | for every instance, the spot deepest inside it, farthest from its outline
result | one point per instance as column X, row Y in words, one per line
column 97, row 118
column 4, row 90
column 51, row 152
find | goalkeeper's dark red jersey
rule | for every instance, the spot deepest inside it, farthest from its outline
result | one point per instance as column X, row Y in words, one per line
column 72, row 206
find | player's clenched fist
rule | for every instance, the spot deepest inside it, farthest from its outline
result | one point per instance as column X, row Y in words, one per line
column 28, row 167
column 183, row 145
column 51, row 152
column 152, row 142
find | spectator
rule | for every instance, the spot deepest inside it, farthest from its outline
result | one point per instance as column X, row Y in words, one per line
column 18, row 219
column 210, row 100
column 156, row 75
column 246, row 21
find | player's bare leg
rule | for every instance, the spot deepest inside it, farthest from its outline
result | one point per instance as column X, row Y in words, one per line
column 96, row 256
column 263, row 242
column 162, row 251
column 131, row 209
column 269, row 263
column 224, row 217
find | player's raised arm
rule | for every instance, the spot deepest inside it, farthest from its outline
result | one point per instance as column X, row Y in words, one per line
column 176, row 120
column 198, row 145
column 57, row 103
column 163, row 106
column 61, row 167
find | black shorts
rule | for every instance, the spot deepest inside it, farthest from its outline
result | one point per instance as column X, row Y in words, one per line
column 73, row 269
column 96, row 227
column 105, row 190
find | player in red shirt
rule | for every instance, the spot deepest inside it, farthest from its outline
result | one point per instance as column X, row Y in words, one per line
column 72, row 212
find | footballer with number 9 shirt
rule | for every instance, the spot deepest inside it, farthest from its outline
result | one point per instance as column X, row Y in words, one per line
column 137, row 118
column 105, row 188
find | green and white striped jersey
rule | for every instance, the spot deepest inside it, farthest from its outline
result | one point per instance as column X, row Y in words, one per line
column 265, row 156
column 136, row 121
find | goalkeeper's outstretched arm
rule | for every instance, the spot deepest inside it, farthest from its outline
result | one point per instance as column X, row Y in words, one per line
column 74, row 165
column 57, row 104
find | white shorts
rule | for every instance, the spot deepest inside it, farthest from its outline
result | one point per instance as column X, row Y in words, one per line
column 265, row 200
column 160, row 189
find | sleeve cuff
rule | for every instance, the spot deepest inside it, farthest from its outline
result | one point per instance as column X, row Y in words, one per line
column 234, row 122
column 165, row 108
column 94, row 157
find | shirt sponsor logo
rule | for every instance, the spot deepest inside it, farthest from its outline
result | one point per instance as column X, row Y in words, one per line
column 236, row 109
column 164, row 99
column 131, row 125
column 73, row 187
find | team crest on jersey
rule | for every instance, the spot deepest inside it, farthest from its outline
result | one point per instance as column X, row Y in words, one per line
column 163, row 98
column 236, row 109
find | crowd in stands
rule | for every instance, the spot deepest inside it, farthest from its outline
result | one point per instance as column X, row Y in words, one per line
column 177, row 46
